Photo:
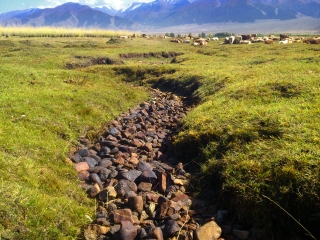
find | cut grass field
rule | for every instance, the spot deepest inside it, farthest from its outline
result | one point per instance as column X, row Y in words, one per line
column 254, row 132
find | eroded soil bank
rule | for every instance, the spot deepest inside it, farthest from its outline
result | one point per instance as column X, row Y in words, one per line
column 142, row 189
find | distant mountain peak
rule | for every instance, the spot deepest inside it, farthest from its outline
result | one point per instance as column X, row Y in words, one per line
column 163, row 13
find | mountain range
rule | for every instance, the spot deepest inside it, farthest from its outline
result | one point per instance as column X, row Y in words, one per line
column 162, row 13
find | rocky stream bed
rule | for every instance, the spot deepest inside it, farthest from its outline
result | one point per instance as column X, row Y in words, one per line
column 141, row 189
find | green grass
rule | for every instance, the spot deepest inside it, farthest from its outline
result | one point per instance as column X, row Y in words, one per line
column 44, row 109
column 257, row 133
column 254, row 131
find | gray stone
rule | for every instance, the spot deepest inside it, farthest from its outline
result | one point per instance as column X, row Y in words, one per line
column 124, row 186
column 131, row 175
column 130, row 194
column 91, row 162
column 113, row 174
column 104, row 174
column 96, row 179
column 148, row 176
column 141, row 233
column 222, row 215
column 242, row 235
column 170, row 228
column 76, row 158
column 83, row 152
column 143, row 166
column 105, row 163
column 113, row 131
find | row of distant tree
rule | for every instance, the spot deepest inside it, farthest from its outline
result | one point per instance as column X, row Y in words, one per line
column 203, row 35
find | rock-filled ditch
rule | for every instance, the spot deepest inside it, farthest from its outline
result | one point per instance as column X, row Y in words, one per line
column 140, row 187
column 87, row 61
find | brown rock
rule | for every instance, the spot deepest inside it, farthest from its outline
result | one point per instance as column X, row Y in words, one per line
column 145, row 187
column 104, row 229
column 192, row 226
column 135, row 220
column 162, row 187
column 210, row 230
column 144, row 112
column 111, row 138
column 115, row 229
column 147, row 223
column 148, row 147
column 103, row 222
column 109, row 193
column 151, row 196
column 136, row 142
column 185, row 218
column 136, row 203
column 81, row 166
column 127, row 231
column 92, row 231
column 183, row 200
column 156, row 234
column 169, row 208
column 83, row 175
column 94, row 190
column 166, row 167
column 141, row 135
column 122, row 215
column 119, row 160
column 125, row 134
column 143, row 216
column 127, row 149
column 178, row 182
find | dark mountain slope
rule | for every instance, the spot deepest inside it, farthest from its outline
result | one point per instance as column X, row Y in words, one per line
column 70, row 15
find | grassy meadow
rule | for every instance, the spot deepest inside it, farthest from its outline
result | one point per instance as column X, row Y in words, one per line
column 253, row 134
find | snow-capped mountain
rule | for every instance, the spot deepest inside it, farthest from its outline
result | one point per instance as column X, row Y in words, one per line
column 107, row 9
column 21, row 13
column 70, row 15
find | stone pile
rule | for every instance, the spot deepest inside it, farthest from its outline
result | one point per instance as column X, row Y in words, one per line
column 140, row 187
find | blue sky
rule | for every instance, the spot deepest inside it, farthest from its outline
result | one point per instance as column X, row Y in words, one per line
column 10, row 5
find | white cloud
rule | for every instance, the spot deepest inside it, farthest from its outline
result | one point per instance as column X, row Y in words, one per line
column 115, row 4
column 90, row 2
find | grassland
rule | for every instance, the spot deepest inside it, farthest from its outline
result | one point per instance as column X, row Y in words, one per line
column 58, row 32
column 254, row 132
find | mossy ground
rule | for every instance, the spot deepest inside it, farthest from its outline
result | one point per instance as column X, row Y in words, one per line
column 253, row 133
